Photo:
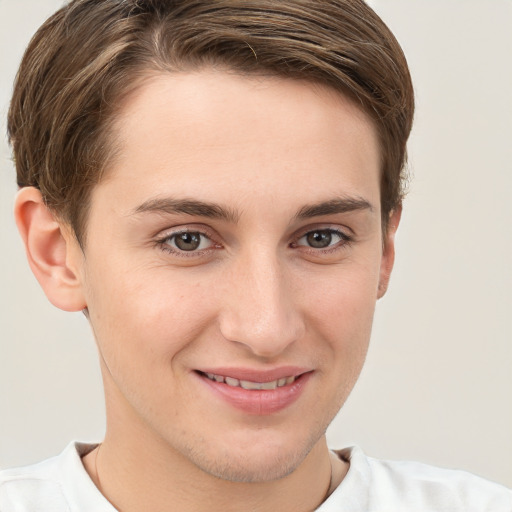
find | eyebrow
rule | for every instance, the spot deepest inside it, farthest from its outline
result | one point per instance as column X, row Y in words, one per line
column 192, row 207
column 333, row 206
column 188, row 207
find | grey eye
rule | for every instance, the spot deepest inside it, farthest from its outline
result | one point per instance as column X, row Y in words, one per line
column 189, row 241
column 321, row 238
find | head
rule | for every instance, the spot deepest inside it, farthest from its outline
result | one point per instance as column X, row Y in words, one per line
column 218, row 184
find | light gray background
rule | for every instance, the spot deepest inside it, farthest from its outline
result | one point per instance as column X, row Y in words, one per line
column 437, row 385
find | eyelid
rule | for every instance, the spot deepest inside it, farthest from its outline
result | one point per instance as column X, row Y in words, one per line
column 206, row 231
column 343, row 231
column 346, row 239
column 161, row 238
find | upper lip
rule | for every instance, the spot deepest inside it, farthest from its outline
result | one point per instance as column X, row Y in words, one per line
column 257, row 375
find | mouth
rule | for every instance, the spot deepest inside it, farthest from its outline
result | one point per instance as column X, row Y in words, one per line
column 251, row 385
column 256, row 392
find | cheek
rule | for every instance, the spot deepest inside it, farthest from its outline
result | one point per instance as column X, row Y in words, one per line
column 344, row 300
column 341, row 315
column 145, row 314
column 143, row 326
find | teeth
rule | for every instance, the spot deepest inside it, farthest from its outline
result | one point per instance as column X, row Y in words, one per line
column 230, row 381
column 249, row 385
column 269, row 385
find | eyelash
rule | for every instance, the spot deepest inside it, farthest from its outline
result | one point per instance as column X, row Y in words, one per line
column 163, row 242
column 345, row 241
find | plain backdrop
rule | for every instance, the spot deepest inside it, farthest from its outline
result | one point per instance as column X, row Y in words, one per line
column 437, row 385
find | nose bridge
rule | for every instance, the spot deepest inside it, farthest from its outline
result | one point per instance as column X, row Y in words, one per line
column 261, row 313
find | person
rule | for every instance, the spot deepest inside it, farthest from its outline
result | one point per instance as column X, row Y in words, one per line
column 217, row 186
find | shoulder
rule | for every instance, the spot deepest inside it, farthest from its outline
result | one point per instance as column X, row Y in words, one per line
column 438, row 488
column 28, row 487
column 49, row 486
column 404, row 485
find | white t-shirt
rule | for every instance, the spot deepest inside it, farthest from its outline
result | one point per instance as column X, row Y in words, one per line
column 61, row 484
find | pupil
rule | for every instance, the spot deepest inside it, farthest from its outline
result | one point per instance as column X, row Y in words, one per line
column 188, row 241
column 319, row 239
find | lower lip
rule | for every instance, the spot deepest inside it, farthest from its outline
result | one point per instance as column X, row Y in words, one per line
column 261, row 401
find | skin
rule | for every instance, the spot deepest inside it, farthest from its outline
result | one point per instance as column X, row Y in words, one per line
column 255, row 295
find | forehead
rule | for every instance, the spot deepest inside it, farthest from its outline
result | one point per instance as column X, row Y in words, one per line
column 224, row 136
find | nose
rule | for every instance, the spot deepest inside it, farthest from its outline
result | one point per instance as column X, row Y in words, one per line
column 260, row 309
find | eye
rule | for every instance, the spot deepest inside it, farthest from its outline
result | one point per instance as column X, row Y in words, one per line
column 186, row 241
column 322, row 238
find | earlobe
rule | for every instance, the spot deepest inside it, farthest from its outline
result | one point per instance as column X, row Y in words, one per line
column 388, row 252
column 52, row 251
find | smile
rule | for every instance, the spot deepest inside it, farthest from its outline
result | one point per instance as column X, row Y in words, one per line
column 257, row 392
column 250, row 385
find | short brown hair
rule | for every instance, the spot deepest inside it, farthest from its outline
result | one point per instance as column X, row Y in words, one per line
column 91, row 53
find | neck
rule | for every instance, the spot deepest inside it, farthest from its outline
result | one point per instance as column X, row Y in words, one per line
column 142, row 476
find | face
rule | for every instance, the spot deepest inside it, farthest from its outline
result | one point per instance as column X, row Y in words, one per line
column 233, row 260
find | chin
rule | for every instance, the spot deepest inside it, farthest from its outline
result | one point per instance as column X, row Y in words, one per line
column 249, row 467
column 257, row 458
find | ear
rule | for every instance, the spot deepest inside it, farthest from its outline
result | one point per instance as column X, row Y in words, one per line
column 52, row 250
column 388, row 251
